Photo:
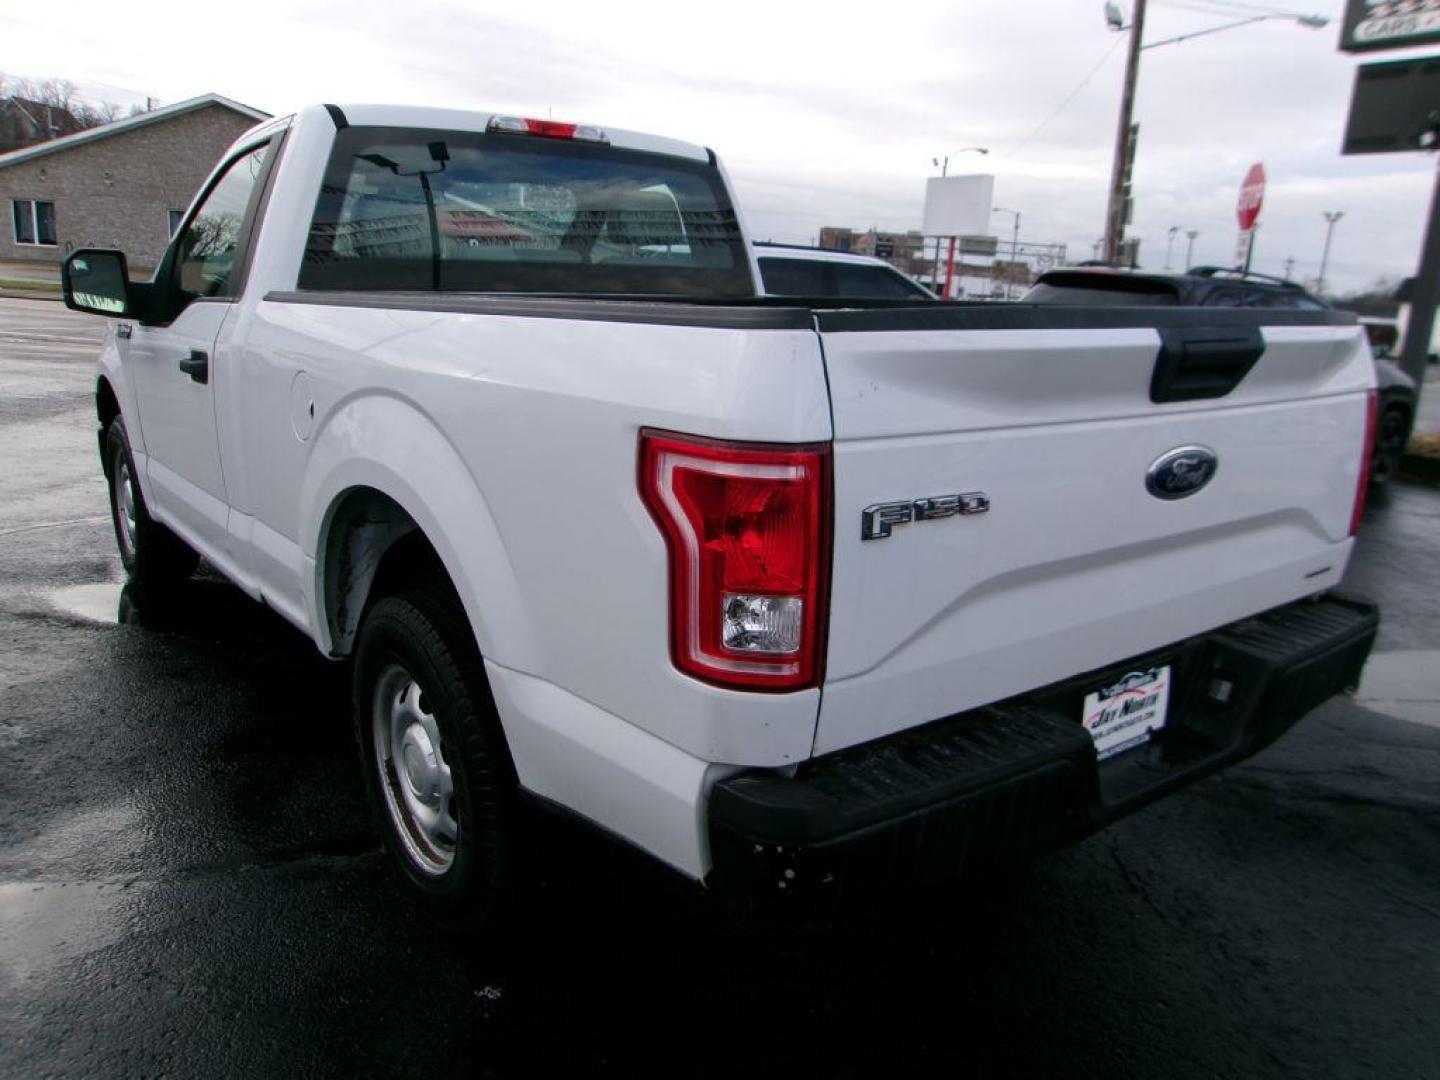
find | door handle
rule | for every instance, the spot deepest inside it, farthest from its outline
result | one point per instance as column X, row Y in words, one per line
column 197, row 366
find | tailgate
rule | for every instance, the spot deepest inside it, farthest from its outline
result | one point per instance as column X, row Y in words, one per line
column 1050, row 418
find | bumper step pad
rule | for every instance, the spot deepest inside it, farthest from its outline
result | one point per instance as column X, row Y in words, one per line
column 986, row 789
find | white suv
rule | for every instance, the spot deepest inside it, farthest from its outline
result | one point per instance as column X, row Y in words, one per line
column 818, row 272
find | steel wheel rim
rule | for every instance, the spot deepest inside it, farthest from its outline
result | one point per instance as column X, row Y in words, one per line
column 415, row 779
column 125, row 506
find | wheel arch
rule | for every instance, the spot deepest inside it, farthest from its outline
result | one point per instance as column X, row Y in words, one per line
column 107, row 408
column 384, row 486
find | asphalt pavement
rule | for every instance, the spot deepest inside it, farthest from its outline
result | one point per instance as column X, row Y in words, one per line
column 190, row 885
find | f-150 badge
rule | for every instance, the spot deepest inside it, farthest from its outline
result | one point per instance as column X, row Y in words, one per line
column 878, row 519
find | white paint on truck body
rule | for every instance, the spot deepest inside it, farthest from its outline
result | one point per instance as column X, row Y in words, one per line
column 511, row 440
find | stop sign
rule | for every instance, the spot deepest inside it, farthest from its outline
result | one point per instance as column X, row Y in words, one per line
column 1252, row 194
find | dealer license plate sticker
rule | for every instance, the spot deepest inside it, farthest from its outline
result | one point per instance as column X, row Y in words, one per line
column 1123, row 715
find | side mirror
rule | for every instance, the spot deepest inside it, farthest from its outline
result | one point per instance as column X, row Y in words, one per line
column 97, row 281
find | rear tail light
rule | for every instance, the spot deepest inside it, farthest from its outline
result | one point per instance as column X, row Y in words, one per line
column 747, row 528
column 1362, row 485
column 549, row 129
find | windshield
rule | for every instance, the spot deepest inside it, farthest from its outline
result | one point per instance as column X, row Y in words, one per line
column 407, row 209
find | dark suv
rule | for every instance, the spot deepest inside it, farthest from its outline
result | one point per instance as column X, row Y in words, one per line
column 1213, row 286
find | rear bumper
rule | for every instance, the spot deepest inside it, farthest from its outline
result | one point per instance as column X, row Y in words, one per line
column 980, row 790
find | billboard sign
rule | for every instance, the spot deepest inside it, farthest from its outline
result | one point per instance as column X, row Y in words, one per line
column 958, row 205
column 1395, row 107
column 979, row 245
column 1389, row 24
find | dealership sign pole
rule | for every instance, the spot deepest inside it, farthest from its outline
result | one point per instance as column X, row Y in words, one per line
column 1247, row 214
column 1395, row 108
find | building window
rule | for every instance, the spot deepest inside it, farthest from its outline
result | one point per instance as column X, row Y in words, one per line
column 176, row 216
column 34, row 221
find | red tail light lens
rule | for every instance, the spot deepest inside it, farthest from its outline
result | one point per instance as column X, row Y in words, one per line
column 1362, row 485
column 747, row 528
column 548, row 129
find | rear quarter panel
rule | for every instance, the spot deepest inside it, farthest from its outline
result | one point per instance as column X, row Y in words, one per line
column 543, row 416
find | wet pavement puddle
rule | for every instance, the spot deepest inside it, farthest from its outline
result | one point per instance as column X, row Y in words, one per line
column 45, row 925
column 95, row 602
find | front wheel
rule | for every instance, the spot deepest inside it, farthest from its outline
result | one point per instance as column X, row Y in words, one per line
column 439, row 775
column 151, row 553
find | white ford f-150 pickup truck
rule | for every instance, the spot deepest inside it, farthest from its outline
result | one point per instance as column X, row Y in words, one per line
column 804, row 598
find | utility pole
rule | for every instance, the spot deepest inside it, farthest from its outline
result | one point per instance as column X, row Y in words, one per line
column 1331, row 217
column 1014, row 245
column 1289, row 267
column 1424, row 295
column 1119, row 170
column 1190, row 247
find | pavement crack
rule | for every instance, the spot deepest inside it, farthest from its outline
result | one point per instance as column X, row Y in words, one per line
column 55, row 525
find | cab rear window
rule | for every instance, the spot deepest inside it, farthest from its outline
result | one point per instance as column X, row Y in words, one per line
column 405, row 209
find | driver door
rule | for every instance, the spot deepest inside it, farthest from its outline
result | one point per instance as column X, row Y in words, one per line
column 172, row 366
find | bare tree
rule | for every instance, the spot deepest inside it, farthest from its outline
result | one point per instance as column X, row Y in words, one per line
column 62, row 94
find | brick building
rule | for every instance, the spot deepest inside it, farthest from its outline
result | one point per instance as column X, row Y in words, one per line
column 904, row 251
column 122, row 185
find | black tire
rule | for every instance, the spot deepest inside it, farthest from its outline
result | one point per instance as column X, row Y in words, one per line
column 151, row 553
column 1391, row 434
column 425, row 634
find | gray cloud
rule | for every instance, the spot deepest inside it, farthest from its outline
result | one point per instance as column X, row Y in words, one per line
column 830, row 113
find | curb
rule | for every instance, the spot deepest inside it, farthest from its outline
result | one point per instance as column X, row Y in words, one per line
column 1420, row 468
column 30, row 294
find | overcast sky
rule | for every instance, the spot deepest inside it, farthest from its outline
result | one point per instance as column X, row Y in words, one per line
column 830, row 113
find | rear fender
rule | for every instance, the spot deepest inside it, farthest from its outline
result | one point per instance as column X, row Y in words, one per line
column 386, row 444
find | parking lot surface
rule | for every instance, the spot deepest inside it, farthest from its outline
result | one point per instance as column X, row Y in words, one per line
column 189, row 883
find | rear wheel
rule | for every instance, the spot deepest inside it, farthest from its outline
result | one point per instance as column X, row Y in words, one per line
column 1390, row 438
column 438, row 772
column 151, row 553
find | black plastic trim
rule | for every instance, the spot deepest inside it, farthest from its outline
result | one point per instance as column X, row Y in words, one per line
column 1203, row 364
column 944, row 316
column 579, row 309
column 987, row 788
column 245, row 253
column 338, row 116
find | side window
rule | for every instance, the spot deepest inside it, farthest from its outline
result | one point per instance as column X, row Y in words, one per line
column 873, row 281
column 34, row 221
column 1224, row 296
column 206, row 254
column 796, row 277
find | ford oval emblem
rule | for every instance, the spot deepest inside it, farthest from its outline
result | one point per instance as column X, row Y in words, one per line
column 1181, row 472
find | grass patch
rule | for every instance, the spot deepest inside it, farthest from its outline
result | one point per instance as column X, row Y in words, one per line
column 23, row 285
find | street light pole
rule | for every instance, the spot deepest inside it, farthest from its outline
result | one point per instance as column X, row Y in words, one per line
column 1124, row 136
column 1190, row 236
column 944, row 164
column 1331, row 217
column 1170, row 243
column 1115, row 212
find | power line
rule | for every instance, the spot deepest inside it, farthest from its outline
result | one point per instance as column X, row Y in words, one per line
column 1068, row 99
column 1230, row 7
